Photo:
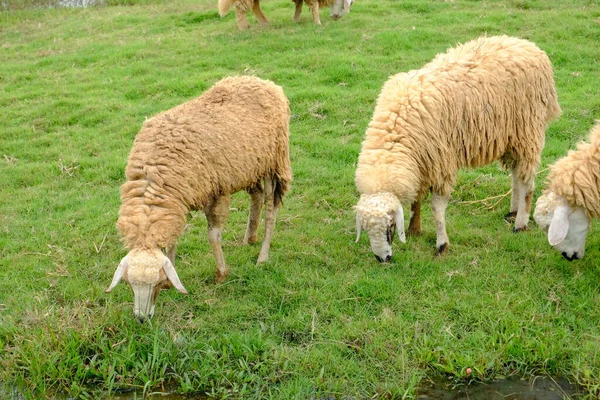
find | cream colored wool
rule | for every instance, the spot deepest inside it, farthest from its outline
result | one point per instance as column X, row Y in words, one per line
column 576, row 177
column 228, row 139
column 311, row 3
column 226, row 5
column 488, row 99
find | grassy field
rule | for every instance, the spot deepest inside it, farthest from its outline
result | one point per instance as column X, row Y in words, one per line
column 322, row 318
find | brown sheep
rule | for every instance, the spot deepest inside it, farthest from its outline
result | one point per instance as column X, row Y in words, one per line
column 193, row 157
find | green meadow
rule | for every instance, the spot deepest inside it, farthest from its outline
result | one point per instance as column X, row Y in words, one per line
column 322, row 319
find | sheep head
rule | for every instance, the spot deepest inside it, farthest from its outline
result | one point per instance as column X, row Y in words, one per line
column 565, row 224
column 380, row 215
column 339, row 8
column 147, row 272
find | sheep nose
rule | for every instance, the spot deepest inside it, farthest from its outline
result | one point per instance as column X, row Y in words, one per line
column 388, row 258
column 140, row 319
column 564, row 254
column 335, row 16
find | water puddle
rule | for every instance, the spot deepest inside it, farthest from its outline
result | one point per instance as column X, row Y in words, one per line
column 503, row 389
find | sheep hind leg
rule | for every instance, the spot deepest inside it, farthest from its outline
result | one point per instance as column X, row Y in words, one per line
column 524, row 208
column 259, row 14
column 414, row 227
column 216, row 215
column 270, row 213
column 438, row 206
column 257, row 198
column 240, row 17
column 315, row 13
column 514, row 196
column 298, row 10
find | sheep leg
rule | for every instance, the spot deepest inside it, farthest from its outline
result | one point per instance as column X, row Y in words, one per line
column 216, row 215
column 257, row 198
column 270, row 213
column 298, row 10
column 525, row 195
column 438, row 206
column 240, row 17
column 315, row 13
column 259, row 14
column 414, row 227
column 514, row 196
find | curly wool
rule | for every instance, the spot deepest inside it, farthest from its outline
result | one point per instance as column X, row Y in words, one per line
column 488, row 99
column 374, row 211
column 228, row 139
column 576, row 177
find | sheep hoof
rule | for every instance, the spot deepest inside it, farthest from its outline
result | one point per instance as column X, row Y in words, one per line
column 413, row 232
column 250, row 240
column 510, row 216
column 522, row 229
column 442, row 250
column 262, row 259
column 221, row 277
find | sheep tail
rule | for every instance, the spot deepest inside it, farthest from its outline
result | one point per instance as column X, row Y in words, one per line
column 225, row 6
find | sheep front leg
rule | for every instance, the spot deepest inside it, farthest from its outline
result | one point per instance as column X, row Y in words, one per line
column 298, row 10
column 257, row 198
column 525, row 195
column 270, row 213
column 216, row 215
column 438, row 206
column 315, row 13
column 259, row 14
column 414, row 227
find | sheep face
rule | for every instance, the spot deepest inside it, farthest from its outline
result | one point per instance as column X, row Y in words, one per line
column 340, row 8
column 566, row 225
column 147, row 272
column 380, row 215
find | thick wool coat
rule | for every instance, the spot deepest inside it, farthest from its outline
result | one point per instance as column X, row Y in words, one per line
column 230, row 138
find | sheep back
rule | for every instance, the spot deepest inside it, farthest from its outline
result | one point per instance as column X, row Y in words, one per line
column 229, row 138
column 576, row 176
column 485, row 100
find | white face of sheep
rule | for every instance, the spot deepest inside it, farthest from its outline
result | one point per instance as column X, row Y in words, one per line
column 566, row 225
column 340, row 8
column 380, row 215
column 147, row 271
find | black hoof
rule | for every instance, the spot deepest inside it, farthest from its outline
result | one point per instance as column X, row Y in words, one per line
column 523, row 229
column 510, row 216
column 443, row 249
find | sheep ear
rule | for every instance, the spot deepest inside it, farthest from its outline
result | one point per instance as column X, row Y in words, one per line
column 347, row 4
column 118, row 274
column 559, row 226
column 399, row 217
column 358, row 227
column 173, row 277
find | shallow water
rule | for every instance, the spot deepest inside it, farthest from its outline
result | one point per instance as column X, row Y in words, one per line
column 503, row 389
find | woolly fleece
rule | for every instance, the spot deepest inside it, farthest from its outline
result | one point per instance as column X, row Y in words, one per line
column 576, row 177
column 228, row 139
column 488, row 99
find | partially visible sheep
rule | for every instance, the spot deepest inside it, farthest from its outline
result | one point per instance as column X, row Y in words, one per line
column 241, row 7
column 488, row 99
column 193, row 157
column 572, row 198
column 338, row 8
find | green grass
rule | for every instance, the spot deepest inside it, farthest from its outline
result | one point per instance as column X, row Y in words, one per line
column 322, row 318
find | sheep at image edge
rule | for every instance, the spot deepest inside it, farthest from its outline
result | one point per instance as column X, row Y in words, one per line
column 572, row 198
column 193, row 157
column 488, row 99
column 338, row 9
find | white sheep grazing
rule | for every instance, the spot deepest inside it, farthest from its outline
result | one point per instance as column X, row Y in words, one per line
column 572, row 198
column 488, row 99
column 193, row 157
